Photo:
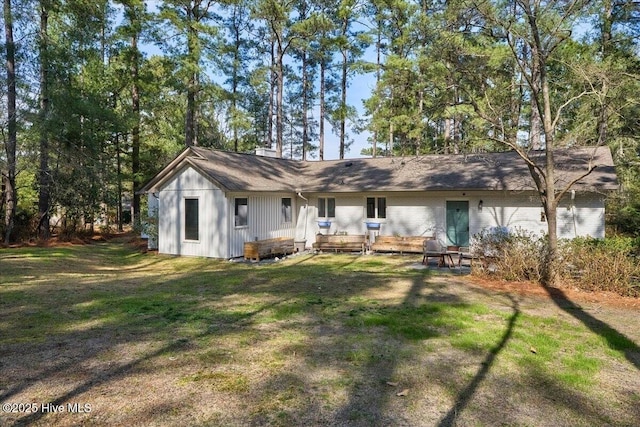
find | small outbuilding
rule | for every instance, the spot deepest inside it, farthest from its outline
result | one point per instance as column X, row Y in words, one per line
column 209, row 202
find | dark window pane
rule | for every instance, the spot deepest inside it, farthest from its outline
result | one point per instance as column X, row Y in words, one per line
column 371, row 207
column 382, row 207
column 191, row 221
column 331, row 208
column 286, row 209
column 241, row 212
column 321, row 207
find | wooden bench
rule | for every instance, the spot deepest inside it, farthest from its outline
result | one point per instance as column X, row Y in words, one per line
column 409, row 244
column 342, row 243
column 268, row 247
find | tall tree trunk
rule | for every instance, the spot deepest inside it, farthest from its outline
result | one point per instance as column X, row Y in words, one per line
column 235, row 76
column 447, row 134
column 535, row 124
column 548, row 196
column 323, row 66
column 135, row 131
column 119, row 170
column 343, row 102
column 374, row 147
column 11, row 194
column 272, row 89
column 44, row 174
column 193, row 54
column 343, row 87
column 279, row 98
column 606, row 40
column 305, row 104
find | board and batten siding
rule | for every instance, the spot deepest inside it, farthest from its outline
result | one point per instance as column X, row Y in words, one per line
column 212, row 216
column 264, row 219
column 584, row 216
column 424, row 213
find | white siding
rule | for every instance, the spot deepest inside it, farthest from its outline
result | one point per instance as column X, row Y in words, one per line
column 212, row 216
column 420, row 214
column 424, row 214
column 408, row 214
column 582, row 217
column 306, row 225
column 264, row 220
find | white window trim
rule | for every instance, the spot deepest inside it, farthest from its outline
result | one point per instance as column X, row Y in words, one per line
column 282, row 218
column 184, row 231
column 233, row 206
column 326, row 208
column 376, row 218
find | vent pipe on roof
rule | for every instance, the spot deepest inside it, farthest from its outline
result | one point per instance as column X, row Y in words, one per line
column 265, row 152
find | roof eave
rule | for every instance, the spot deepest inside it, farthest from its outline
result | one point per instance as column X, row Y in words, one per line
column 152, row 185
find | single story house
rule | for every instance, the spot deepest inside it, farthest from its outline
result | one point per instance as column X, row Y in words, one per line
column 209, row 202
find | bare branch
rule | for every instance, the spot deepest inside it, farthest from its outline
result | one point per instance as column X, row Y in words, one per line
column 567, row 103
column 571, row 183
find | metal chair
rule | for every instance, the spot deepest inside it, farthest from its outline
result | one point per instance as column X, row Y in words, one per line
column 465, row 253
column 432, row 249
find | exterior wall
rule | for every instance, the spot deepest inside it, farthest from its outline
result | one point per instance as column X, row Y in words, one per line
column 424, row 214
column 584, row 216
column 408, row 214
column 264, row 220
column 212, row 217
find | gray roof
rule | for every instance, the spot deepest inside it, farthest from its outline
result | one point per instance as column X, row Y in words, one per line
column 486, row 171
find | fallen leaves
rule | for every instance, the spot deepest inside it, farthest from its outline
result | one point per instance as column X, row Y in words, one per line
column 402, row 393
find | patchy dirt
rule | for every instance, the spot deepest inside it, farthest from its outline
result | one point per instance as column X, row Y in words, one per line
column 177, row 341
column 536, row 290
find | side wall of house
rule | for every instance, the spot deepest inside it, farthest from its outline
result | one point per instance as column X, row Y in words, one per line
column 424, row 214
column 582, row 216
column 212, row 216
column 265, row 219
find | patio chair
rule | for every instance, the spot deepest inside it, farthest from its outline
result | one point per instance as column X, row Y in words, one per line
column 432, row 249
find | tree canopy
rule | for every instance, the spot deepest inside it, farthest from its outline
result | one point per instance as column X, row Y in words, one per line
column 99, row 94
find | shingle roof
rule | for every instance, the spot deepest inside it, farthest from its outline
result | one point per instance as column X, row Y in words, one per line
column 486, row 171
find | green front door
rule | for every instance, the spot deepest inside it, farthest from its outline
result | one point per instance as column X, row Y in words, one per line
column 458, row 223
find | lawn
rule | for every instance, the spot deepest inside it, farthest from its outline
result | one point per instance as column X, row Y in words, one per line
column 105, row 335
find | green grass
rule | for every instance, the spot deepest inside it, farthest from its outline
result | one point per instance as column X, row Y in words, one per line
column 324, row 329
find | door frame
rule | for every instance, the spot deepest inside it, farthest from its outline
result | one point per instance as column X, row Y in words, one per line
column 446, row 224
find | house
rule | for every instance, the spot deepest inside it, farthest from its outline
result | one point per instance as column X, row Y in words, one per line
column 210, row 202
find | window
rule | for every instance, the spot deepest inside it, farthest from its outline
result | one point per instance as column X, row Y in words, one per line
column 326, row 207
column 286, row 209
column 191, row 220
column 376, row 207
column 241, row 212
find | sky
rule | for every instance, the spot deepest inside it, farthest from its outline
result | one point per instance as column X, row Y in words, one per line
column 360, row 88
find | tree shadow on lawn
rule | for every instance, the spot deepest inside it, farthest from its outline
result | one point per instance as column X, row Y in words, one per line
column 373, row 338
column 614, row 339
column 54, row 353
column 122, row 370
column 369, row 397
column 467, row 394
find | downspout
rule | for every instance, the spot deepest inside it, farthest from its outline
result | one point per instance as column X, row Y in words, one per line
column 306, row 212
column 573, row 213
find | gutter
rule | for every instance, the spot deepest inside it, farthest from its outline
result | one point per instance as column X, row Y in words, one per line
column 306, row 211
